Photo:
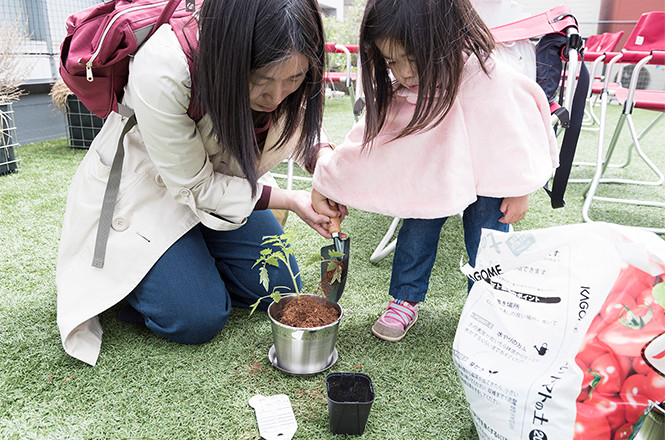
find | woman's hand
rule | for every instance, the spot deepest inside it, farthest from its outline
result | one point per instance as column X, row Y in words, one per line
column 514, row 209
column 300, row 202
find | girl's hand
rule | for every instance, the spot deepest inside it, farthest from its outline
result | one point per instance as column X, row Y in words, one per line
column 299, row 202
column 325, row 206
column 514, row 209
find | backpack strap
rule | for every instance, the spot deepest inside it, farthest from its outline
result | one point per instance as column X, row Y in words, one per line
column 186, row 29
column 110, row 196
column 186, row 32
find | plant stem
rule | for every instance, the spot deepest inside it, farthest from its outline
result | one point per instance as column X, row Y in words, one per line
column 293, row 277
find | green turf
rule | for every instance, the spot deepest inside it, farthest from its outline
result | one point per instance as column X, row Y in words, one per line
column 147, row 387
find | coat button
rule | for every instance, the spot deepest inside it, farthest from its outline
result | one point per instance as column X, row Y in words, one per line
column 158, row 180
column 185, row 193
column 119, row 224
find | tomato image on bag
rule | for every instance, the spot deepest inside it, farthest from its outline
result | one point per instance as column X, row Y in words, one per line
column 593, row 294
column 622, row 382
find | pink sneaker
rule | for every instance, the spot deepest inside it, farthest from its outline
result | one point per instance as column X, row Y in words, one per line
column 395, row 321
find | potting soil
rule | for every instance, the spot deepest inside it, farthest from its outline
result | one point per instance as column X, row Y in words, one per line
column 308, row 312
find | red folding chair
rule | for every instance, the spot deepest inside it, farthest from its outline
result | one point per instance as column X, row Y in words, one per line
column 595, row 48
column 348, row 77
column 645, row 45
column 592, row 43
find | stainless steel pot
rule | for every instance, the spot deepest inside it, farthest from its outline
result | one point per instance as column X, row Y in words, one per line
column 303, row 351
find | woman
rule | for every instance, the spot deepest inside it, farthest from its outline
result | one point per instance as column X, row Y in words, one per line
column 193, row 202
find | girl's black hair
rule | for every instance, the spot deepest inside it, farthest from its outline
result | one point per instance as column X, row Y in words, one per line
column 237, row 37
column 437, row 35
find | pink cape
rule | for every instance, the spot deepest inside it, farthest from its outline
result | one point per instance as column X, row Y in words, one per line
column 496, row 141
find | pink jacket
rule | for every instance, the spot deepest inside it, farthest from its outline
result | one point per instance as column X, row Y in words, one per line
column 496, row 141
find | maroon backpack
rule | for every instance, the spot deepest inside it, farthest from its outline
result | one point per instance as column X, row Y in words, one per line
column 94, row 56
column 94, row 63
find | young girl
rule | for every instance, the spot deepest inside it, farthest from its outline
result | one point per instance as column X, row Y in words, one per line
column 448, row 129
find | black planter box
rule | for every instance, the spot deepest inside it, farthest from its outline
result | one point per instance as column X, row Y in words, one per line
column 350, row 398
column 82, row 124
column 9, row 159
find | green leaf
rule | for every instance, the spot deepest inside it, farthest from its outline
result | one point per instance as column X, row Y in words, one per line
column 270, row 239
column 280, row 256
column 264, row 279
column 335, row 254
column 288, row 251
column 313, row 258
column 658, row 293
column 254, row 306
column 266, row 251
column 337, row 276
column 273, row 260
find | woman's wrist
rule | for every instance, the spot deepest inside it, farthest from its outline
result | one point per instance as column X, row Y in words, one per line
column 264, row 199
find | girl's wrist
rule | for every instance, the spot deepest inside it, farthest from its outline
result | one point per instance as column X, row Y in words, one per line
column 322, row 149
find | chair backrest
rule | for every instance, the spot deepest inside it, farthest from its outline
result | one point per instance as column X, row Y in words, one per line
column 593, row 42
column 609, row 41
column 648, row 34
column 601, row 43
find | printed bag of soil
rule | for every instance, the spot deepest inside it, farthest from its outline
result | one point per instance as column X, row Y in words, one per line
column 563, row 333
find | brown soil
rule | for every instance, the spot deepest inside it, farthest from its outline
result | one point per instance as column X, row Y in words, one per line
column 308, row 312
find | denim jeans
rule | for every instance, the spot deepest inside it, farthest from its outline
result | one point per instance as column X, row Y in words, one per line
column 188, row 294
column 418, row 240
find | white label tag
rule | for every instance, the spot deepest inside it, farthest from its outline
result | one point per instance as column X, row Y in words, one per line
column 639, row 40
column 274, row 416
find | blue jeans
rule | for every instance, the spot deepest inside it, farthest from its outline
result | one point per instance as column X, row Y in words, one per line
column 418, row 240
column 188, row 294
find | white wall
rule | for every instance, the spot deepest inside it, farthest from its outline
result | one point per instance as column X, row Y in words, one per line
column 498, row 12
column 338, row 5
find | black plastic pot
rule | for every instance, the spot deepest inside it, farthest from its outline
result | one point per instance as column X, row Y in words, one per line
column 350, row 398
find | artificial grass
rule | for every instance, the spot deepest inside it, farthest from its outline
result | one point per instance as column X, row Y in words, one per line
column 147, row 387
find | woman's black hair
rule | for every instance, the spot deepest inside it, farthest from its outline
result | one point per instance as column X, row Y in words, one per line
column 437, row 35
column 237, row 37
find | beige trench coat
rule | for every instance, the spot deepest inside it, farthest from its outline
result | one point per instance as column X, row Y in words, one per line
column 174, row 176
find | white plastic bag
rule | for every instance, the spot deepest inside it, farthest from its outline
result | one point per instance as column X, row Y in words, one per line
column 527, row 325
